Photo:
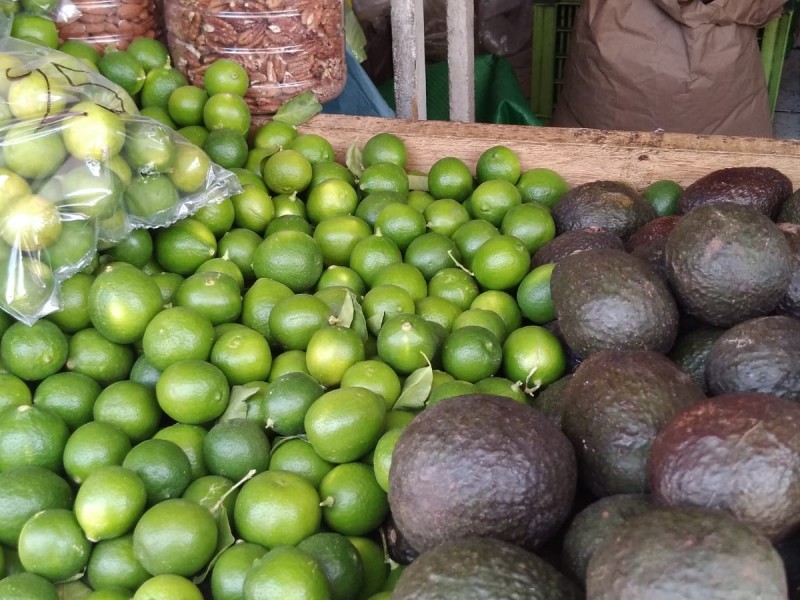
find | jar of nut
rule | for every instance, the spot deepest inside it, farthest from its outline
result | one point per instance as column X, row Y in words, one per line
column 105, row 23
column 286, row 46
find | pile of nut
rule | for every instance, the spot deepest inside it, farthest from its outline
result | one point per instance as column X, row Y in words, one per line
column 108, row 22
column 286, row 46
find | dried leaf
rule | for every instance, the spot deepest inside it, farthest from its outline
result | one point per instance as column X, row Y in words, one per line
column 238, row 403
column 298, row 109
column 353, row 160
column 225, row 540
column 418, row 182
column 416, row 389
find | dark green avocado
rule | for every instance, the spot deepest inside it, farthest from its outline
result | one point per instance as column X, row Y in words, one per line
column 609, row 300
column 575, row 241
column 550, row 400
column 610, row 205
column 758, row 355
column 790, row 303
column 685, row 554
column 790, row 211
column 691, row 349
column 481, row 465
column 736, row 453
column 617, row 402
column 727, row 263
column 650, row 240
column 762, row 188
column 482, row 569
column 594, row 525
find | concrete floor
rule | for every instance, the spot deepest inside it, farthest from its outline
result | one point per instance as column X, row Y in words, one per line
column 786, row 122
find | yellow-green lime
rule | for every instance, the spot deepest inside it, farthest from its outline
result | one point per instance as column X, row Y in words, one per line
column 159, row 83
column 455, row 285
column 333, row 197
column 439, row 313
column 296, row 455
column 70, row 395
column 373, row 203
column 373, row 254
column 230, row 570
column 176, row 536
column 14, row 391
column 95, row 356
column 258, row 302
column 373, row 561
column 130, row 406
column 503, row 304
column 192, row 391
column 35, row 28
column 352, row 501
column 52, row 544
column 376, row 376
column 191, row 169
column 331, row 351
column 287, row 171
column 344, row 424
column 500, row 386
column 277, row 508
column 498, row 162
column 239, row 245
column 313, row 146
column 480, row 317
column 286, row 572
column 213, row 295
column 289, row 257
column 531, row 223
column 30, row 224
column 113, row 565
column 212, row 491
column 338, row 235
column 541, row 185
column 471, row 353
column 533, row 295
column 80, row 49
column 243, row 356
column 33, row 352
column 94, row 445
column 382, row 459
column 274, row 135
column 450, row 389
column 384, row 148
column 168, row 587
column 123, row 69
column 253, row 209
column 109, row 502
column 384, row 177
column 431, row 252
column 450, row 177
column 185, row 105
column 533, row 356
column 294, row 320
column 501, row 263
column 196, row 134
column 33, row 151
column 34, row 97
column 400, row 223
column 329, row 169
column 406, row 342
column 340, row 276
column 175, row 334
column 445, row 216
column 27, row 586
column 218, row 217
column 226, row 111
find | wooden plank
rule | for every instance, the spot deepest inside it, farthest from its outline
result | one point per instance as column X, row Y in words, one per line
column 461, row 59
column 408, row 53
column 580, row 155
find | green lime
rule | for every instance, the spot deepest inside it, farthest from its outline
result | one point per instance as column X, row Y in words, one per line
column 296, row 455
column 533, row 356
column 274, row 136
column 123, row 69
column 291, row 258
column 384, row 148
column 27, row 586
column 176, row 536
column 213, row 295
column 258, row 302
column 163, row 468
column 149, row 52
column 34, row 352
column 53, row 545
column 406, row 342
column 239, row 246
column 130, row 406
column 233, row 448
column 344, row 424
column 431, row 252
column 286, row 572
column 148, row 196
column 226, row 147
column 277, row 508
column 286, row 401
column 384, row 177
column 400, row 223
column 543, row 186
column 14, row 391
column 94, row 445
column 340, row 562
column 531, row 223
column 188, row 438
column 375, row 376
column 337, row 236
column 70, row 395
column 471, row 353
column 95, row 356
column 113, row 565
column 382, row 458
column 664, row 196
column 374, row 564
column 159, row 83
column 533, row 295
column 109, row 502
column 31, row 436
column 192, row 391
column 450, row 177
column 168, row 587
column 373, row 254
column 230, row 570
column 501, row 263
column 243, row 356
column 455, row 285
column 498, row 162
column 352, row 501
column 313, row 146
column 35, row 28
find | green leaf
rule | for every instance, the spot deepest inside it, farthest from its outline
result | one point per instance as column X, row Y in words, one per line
column 376, row 321
column 347, row 311
column 225, row 540
column 280, row 441
column 73, row 589
column 416, row 389
column 418, row 182
column 298, row 109
column 359, row 323
column 238, row 403
column 353, row 160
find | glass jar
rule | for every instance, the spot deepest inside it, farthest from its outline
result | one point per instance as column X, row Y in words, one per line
column 105, row 23
column 286, row 46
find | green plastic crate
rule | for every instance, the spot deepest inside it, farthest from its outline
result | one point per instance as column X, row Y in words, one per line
column 552, row 29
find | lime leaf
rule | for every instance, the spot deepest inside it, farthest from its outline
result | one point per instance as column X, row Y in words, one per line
column 353, row 160
column 225, row 540
column 417, row 182
column 238, row 403
column 280, row 441
column 376, row 321
column 298, row 109
column 359, row 323
column 416, row 389
column 347, row 311
column 73, row 589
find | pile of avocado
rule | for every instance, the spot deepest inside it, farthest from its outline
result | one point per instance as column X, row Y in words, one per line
column 666, row 463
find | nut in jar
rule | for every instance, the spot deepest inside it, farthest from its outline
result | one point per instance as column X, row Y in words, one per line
column 105, row 23
column 286, row 46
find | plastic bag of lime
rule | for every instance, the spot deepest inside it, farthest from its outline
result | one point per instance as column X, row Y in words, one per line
column 80, row 167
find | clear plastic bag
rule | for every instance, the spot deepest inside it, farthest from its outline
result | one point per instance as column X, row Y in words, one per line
column 105, row 23
column 80, row 167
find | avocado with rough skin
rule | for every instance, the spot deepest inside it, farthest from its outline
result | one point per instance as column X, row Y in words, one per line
column 650, row 240
column 477, row 568
column 758, row 355
column 762, row 188
column 550, row 400
column 727, row 263
column 685, row 553
column 790, row 303
column 790, row 211
column 609, row 300
column 573, row 360
column 575, row 241
column 617, row 402
column 397, row 546
column 737, row 453
column 690, row 352
column 594, row 525
column 481, row 465
column 610, row 205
